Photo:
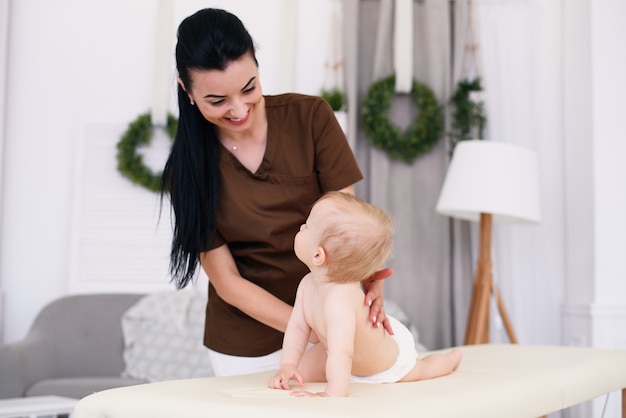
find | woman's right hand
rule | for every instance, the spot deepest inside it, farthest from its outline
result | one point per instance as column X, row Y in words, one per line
column 374, row 287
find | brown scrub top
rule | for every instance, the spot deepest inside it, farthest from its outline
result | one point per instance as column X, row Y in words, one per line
column 259, row 213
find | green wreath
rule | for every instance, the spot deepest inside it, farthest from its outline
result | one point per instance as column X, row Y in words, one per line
column 419, row 137
column 129, row 163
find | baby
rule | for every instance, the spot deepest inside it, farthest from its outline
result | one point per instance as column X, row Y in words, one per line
column 345, row 240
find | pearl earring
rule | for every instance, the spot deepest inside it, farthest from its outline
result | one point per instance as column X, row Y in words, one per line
column 192, row 102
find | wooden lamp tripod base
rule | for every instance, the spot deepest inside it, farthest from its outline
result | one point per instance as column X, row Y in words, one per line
column 477, row 331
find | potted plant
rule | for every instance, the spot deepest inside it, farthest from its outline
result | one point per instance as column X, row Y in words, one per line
column 335, row 98
column 468, row 116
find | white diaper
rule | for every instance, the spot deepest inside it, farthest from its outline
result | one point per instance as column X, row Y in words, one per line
column 407, row 357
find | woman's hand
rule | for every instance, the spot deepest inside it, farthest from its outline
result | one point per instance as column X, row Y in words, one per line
column 374, row 290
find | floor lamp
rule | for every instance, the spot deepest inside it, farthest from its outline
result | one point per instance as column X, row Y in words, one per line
column 489, row 182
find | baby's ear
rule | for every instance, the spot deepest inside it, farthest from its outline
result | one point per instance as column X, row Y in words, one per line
column 319, row 258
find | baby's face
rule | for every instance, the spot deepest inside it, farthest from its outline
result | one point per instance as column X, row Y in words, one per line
column 306, row 242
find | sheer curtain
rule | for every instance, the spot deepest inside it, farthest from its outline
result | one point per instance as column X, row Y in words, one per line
column 4, row 40
column 432, row 262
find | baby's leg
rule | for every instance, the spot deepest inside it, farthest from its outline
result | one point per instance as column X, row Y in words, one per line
column 434, row 365
column 312, row 365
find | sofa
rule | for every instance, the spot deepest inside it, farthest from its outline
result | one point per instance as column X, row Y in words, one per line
column 74, row 348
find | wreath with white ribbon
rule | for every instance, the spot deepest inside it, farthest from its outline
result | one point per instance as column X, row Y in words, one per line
column 130, row 164
column 418, row 138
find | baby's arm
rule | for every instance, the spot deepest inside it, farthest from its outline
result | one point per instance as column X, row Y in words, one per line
column 340, row 322
column 294, row 344
column 340, row 319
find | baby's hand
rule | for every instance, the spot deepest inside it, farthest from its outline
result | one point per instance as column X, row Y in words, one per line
column 281, row 379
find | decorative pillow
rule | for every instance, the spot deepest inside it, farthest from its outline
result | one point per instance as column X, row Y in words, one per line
column 163, row 334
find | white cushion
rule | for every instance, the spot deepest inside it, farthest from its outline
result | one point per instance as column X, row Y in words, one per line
column 163, row 334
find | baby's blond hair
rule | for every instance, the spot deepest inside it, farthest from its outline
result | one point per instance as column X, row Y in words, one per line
column 358, row 238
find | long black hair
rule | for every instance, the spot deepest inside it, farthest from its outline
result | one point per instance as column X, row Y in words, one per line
column 207, row 40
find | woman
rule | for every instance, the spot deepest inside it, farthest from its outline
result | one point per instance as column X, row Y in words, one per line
column 242, row 175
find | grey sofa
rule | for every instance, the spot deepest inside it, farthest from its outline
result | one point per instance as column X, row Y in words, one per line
column 74, row 348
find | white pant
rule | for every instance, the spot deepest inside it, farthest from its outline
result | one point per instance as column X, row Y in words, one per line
column 227, row 365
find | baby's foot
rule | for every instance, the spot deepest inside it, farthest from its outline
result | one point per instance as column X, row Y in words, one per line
column 455, row 358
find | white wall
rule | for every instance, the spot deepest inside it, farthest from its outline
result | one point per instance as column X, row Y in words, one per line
column 78, row 73
column 595, row 307
column 595, row 177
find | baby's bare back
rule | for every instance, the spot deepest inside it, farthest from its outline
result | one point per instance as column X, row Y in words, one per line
column 374, row 350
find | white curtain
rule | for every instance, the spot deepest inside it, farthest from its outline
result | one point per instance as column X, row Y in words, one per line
column 4, row 40
column 432, row 261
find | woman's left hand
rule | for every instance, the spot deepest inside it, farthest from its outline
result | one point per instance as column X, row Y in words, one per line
column 374, row 290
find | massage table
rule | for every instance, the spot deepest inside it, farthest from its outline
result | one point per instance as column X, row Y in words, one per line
column 500, row 381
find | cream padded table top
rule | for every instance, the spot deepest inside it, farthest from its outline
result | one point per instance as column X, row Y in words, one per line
column 492, row 381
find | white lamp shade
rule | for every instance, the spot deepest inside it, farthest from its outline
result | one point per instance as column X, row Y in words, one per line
column 498, row 178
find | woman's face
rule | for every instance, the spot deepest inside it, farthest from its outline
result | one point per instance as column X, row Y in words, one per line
column 228, row 99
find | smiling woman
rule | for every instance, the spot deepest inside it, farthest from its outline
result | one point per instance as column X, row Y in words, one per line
column 227, row 96
column 232, row 100
column 242, row 174
column 113, row 74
